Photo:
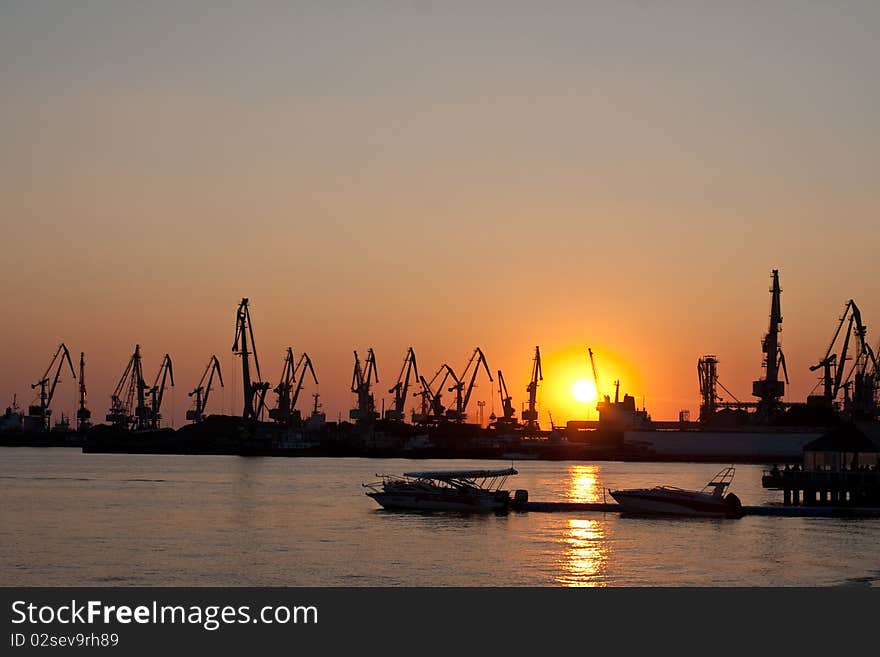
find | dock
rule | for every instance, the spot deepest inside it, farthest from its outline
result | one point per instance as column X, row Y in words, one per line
column 762, row 510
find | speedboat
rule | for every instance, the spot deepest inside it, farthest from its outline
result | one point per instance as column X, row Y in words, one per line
column 710, row 501
column 445, row 490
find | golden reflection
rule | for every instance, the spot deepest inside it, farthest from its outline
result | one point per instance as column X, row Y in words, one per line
column 586, row 555
column 583, row 484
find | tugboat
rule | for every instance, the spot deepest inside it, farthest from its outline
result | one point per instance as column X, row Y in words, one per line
column 449, row 490
column 710, row 501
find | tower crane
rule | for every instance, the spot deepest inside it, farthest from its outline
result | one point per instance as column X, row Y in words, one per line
column 39, row 414
column 254, row 391
column 128, row 408
column 299, row 373
column 530, row 414
column 156, row 392
column 408, row 371
column 462, row 395
column 203, row 391
column 281, row 412
column 362, row 380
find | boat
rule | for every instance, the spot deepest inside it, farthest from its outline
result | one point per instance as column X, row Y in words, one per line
column 710, row 501
column 445, row 490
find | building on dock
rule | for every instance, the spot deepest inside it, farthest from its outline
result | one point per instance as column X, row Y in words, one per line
column 840, row 468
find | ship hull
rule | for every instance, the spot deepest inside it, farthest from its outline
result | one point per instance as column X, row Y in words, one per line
column 726, row 445
column 443, row 502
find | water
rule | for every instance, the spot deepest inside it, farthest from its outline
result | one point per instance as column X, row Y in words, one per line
column 69, row 518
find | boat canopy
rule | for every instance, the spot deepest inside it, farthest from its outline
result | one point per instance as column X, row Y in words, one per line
column 461, row 474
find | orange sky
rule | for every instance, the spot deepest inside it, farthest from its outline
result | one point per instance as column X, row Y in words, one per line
column 618, row 176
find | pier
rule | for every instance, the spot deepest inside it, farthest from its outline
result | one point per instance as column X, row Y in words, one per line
column 825, row 488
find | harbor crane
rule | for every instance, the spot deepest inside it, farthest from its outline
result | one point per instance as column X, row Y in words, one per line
column 156, row 392
column 203, row 391
column 254, row 391
column 833, row 363
column 462, row 395
column 362, row 380
column 771, row 389
column 508, row 411
column 281, row 412
column 432, row 409
column 299, row 372
column 409, row 371
column 39, row 414
column 128, row 408
column 530, row 414
column 83, row 414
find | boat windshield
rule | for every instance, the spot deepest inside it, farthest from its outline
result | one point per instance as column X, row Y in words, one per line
column 719, row 483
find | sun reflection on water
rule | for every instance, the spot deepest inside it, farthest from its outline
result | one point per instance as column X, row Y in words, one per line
column 586, row 554
column 586, row 548
column 583, row 484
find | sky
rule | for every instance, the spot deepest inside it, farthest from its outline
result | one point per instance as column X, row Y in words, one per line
column 619, row 175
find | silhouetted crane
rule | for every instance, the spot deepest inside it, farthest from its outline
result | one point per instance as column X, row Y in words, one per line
column 833, row 363
column 254, row 391
column 83, row 415
column 39, row 414
column 408, row 371
column 770, row 389
column 281, row 412
column 304, row 363
column 507, row 409
column 203, row 391
column 362, row 380
column 530, row 415
column 128, row 409
column 157, row 391
column 462, row 396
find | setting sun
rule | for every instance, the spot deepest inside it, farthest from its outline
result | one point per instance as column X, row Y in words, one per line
column 584, row 391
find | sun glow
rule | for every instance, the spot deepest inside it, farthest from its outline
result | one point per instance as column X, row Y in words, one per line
column 584, row 391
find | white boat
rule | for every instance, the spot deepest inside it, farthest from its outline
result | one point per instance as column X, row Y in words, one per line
column 446, row 490
column 711, row 501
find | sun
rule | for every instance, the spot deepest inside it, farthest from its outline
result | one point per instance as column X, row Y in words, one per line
column 584, row 391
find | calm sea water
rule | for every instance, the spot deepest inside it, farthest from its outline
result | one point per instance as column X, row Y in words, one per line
column 68, row 518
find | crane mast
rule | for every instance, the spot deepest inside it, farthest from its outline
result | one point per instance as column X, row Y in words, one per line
column 39, row 414
column 203, row 390
column 530, row 415
column 408, row 371
column 83, row 415
column 254, row 391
